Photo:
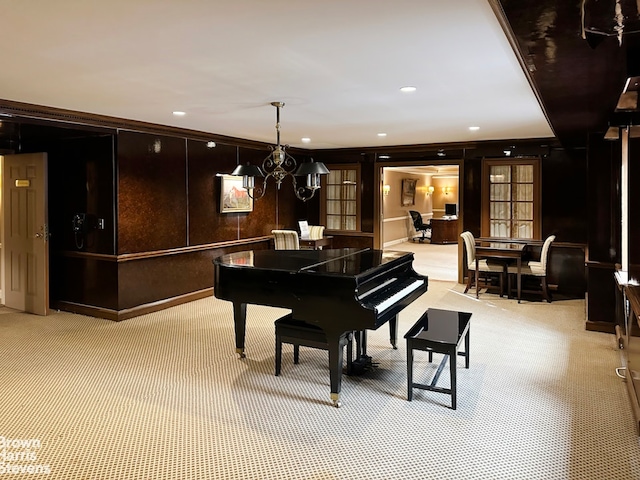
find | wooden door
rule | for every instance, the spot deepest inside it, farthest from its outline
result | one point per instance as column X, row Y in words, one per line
column 26, row 242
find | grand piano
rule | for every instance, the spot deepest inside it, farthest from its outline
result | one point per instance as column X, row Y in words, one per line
column 338, row 290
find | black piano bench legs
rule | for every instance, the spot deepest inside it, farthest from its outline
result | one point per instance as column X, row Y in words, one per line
column 296, row 332
column 437, row 332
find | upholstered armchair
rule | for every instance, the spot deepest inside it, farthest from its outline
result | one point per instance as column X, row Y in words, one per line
column 286, row 239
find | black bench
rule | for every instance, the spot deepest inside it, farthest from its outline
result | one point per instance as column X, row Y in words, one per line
column 297, row 332
column 438, row 331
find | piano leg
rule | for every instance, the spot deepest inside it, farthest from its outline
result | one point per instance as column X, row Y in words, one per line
column 393, row 332
column 240, row 320
column 336, row 355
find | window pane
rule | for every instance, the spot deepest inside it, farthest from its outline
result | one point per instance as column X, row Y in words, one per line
column 522, row 229
column 500, row 174
column 500, row 210
column 341, row 196
column 523, row 211
column 349, row 208
column 500, row 192
column 511, row 198
column 523, row 173
column 523, row 192
column 499, row 229
column 333, row 222
column 350, row 223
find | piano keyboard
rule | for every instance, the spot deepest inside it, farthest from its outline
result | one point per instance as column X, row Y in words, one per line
column 389, row 294
column 399, row 295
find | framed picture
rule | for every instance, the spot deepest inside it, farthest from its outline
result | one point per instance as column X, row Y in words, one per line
column 409, row 191
column 233, row 197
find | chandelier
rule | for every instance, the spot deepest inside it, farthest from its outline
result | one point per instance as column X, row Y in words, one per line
column 278, row 166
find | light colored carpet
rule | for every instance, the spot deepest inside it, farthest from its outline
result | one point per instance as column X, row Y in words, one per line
column 164, row 396
column 438, row 262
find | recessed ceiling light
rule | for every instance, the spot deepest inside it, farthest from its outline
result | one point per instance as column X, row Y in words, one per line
column 211, row 144
column 473, row 129
column 384, row 156
column 178, row 113
column 408, row 89
column 305, row 139
column 382, row 134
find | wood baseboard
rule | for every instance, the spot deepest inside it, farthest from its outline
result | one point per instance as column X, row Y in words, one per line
column 604, row 327
column 119, row 315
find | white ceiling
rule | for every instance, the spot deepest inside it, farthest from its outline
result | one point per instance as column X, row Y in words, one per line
column 337, row 64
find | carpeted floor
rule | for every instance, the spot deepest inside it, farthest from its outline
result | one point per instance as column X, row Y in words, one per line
column 164, row 396
column 438, row 262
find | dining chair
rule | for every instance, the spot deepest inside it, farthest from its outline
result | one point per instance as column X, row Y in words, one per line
column 485, row 266
column 316, row 232
column 286, row 239
column 536, row 269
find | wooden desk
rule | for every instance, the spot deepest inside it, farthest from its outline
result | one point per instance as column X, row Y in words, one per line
column 444, row 230
column 316, row 244
column 503, row 250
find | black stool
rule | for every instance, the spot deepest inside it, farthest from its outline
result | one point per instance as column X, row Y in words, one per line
column 438, row 331
column 297, row 332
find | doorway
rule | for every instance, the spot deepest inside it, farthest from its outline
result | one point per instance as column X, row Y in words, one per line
column 435, row 196
column 25, row 236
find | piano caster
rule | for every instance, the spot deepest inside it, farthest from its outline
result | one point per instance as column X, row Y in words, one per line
column 335, row 397
column 240, row 351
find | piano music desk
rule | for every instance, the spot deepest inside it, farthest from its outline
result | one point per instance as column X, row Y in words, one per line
column 442, row 333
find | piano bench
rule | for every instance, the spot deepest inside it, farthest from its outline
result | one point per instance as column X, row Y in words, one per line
column 439, row 331
column 297, row 332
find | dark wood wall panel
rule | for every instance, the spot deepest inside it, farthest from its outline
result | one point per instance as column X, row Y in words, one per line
column 146, row 280
column 263, row 217
column 152, row 196
column 472, row 198
column 206, row 224
column 603, row 202
column 81, row 180
column 564, row 199
column 85, row 280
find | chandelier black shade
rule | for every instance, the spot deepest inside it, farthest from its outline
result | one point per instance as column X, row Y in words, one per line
column 279, row 165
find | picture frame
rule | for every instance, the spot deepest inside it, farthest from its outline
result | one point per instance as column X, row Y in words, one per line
column 234, row 198
column 409, row 191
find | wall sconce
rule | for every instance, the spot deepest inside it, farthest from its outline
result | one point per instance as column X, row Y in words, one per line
column 430, row 190
column 386, row 189
column 446, row 190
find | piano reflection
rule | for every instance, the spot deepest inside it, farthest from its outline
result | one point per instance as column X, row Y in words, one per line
column 338, row 290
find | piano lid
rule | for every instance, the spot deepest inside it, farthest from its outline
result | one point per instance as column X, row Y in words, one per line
column 343, row 261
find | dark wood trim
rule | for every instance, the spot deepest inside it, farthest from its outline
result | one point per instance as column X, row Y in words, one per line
column 119, row 315
column 28, row 111
column 604, row 327
column 127, row 257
